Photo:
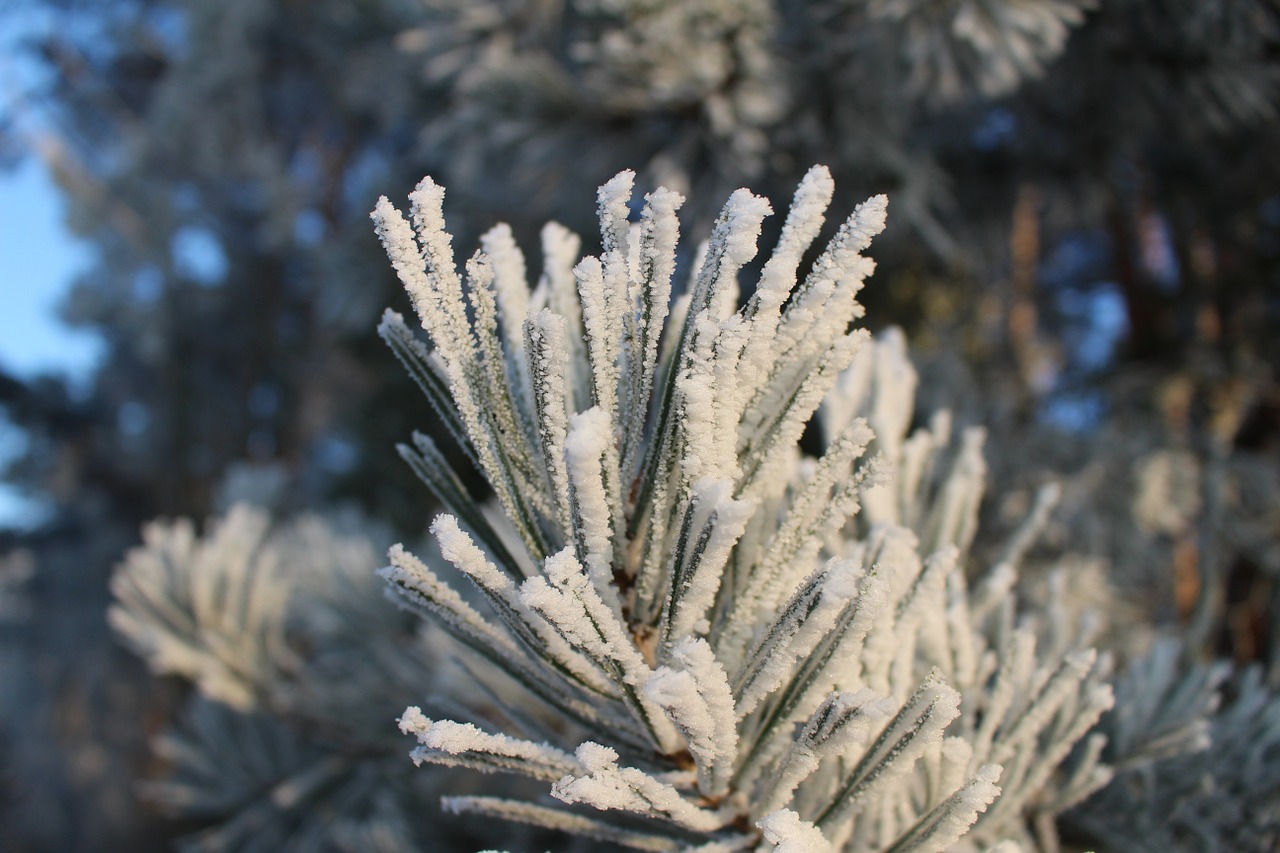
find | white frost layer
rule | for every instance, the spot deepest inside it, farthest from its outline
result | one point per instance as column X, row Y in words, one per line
column 789, row 834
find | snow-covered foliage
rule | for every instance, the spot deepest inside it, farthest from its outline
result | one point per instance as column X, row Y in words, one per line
column 702, row 95
column 1197, row 759
column 660, row 80
column 298, row 663
column 250, row 613
column 732, row 644
column 951, row 47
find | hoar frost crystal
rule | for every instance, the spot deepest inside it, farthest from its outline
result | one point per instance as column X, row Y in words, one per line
column 719, row 643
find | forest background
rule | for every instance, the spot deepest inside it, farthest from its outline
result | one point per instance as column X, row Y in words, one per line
column 1084, row 251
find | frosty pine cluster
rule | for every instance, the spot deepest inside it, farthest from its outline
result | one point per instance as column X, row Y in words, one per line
column 716, row 642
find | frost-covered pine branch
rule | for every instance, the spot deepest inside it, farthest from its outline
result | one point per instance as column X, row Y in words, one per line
column 950, row 46
column 1196, row 750
column 735, row 646
column 298, row 662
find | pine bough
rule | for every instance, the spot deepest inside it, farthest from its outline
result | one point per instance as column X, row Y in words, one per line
column 298, row 662
column 714, row 648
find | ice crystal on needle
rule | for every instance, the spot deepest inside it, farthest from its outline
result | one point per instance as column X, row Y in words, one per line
column 734, row 655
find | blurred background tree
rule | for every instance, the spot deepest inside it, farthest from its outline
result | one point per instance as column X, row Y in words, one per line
column 1085, row 246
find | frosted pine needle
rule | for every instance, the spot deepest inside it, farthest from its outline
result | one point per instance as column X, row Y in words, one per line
column 731, row 652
